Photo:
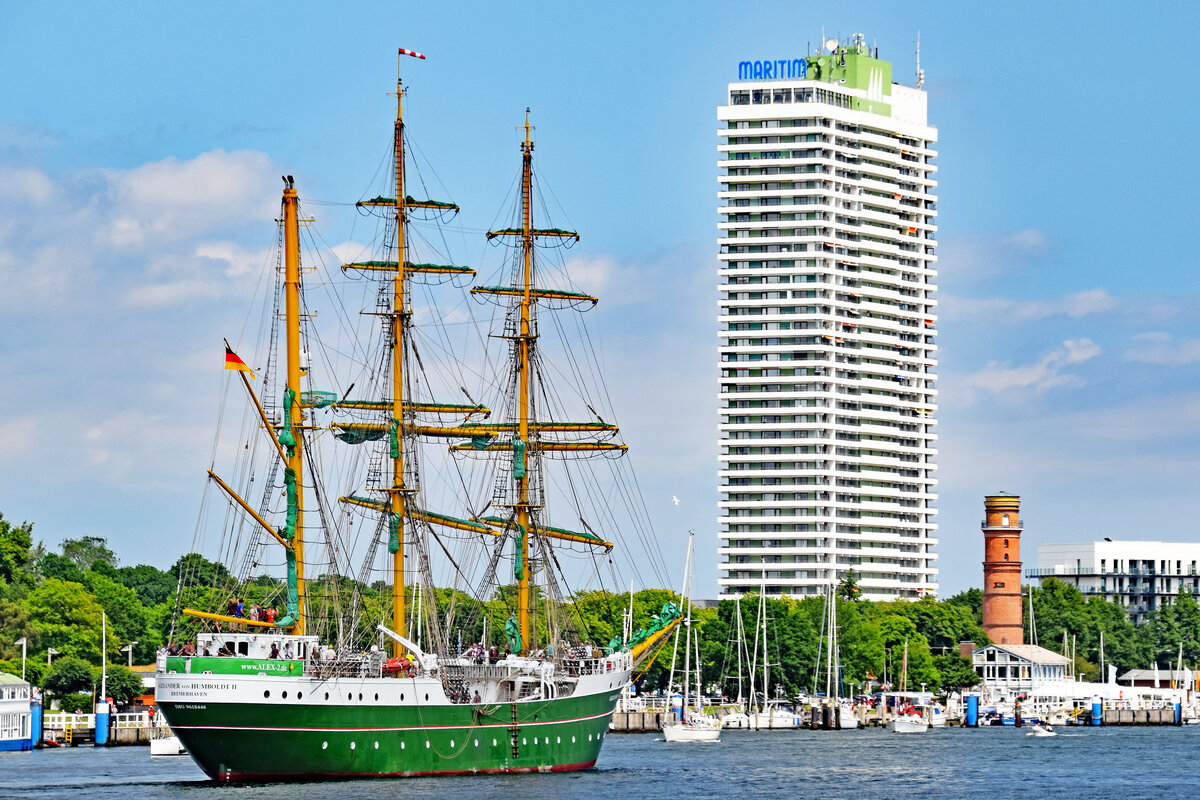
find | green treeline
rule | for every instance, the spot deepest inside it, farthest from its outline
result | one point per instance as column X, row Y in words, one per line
column 55, row 600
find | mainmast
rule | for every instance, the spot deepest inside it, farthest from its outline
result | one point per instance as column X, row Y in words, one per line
column 294, row 472
column 399, row 319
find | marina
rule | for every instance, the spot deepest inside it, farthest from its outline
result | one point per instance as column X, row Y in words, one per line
column 984, row 763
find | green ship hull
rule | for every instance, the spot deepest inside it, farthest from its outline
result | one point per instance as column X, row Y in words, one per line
column 276, row 741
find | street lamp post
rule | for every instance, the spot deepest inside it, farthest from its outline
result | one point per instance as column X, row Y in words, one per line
column 50, row 653
column 23, row 642
column 129, row 649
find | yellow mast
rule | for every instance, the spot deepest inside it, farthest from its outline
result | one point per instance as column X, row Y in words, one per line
column 524, row 340
column 295, row 461
column 398, row 318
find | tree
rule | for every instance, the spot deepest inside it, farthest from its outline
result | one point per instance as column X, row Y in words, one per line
column 87, row 550
column 153, row 586
column 123, row 684
column 52, row 565
column 956, row 672
column 848, row 588
column 15, row 542
column 66, row 616
column 70, row 674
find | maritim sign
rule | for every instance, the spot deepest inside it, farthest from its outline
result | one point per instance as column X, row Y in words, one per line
column 773, row 70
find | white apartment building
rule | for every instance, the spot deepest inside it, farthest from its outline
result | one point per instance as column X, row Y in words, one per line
column 1140, row 576
column 827, row 328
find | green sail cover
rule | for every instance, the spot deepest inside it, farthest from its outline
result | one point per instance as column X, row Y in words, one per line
column 293, row 593
column 518, row 446
column 393, row 532
column 293, row 504
column 513, row 631
column 394, row 438
column 359, row 436
column 519, row 554
column 662, row 619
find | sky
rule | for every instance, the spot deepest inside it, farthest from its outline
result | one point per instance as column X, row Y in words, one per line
column 141, row 146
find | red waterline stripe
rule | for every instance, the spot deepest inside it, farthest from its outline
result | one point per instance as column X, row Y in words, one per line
column 307, row 776
column 402, row 728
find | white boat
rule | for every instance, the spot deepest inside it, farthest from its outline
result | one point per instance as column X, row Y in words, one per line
column 937, row 716
column 735, row 721
column 167, row 746
column 845, row 718
column 908, row 723
column 692, row 725
column 1041, row 730
column 697, row 728
column 848, row 720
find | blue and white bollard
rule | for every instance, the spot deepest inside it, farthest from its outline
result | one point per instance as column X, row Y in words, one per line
column 101, row 724
column 973, row 711
column 1097, row 711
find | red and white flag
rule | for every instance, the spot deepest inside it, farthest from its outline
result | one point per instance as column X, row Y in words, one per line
column 412, row 53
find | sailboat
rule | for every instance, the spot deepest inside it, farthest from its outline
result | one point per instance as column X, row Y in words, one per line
column 692, row 725
column 842, row 709
column 909, row 719
column 341, row 682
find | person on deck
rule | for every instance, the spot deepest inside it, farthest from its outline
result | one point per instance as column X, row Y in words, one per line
column 271, row 615
column 287, row 651
column 274, row 651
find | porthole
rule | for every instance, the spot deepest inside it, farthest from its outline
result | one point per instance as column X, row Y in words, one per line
column 353, row 745
column 377, row 745
column 349, row 696
column 452, row 743
column 493, row 742
column 299, row 695
column 535, row 740
column 285, row 694
column 377, row 697
column 402, row 697
column 572, row 740
column 327, row 695
column 402, row 745
column 324, row 745
column 524, row 741
column 267, row 693
column 477, row 743
column 426, row 744
column 426, row 697
column 558, row 740
column 589, row 737
column 360, row 695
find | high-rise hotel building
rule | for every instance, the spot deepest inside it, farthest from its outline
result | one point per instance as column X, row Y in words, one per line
column 828, row 324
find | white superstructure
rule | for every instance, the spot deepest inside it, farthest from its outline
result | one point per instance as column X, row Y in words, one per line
column 1139, row 576
column 827, row 326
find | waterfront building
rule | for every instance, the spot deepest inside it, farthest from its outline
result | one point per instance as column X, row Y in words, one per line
column 1139, row 576
column 1010, row 671
column 15, row 716
column 827, row 324
column 1002, row 568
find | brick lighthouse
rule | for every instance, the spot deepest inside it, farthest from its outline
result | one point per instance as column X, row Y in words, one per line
column 1002, row 568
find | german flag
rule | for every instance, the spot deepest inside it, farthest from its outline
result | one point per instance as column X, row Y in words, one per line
column 233, row 362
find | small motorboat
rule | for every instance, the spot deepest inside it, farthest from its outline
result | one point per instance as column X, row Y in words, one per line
column 1041, row 729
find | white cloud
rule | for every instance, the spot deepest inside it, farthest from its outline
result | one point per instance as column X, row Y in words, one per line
column 1164, row 349
column 1001, row 309
column 1046, row 373
column 168, row 200
column 985, row 256
column 28, row 185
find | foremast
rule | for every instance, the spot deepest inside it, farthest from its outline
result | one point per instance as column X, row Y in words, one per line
column 399, row 321
column 291, row 437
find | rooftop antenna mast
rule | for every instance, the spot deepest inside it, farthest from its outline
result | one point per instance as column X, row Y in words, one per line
column 920, row 72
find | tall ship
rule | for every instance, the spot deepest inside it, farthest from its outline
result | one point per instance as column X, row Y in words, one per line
column 391, row 594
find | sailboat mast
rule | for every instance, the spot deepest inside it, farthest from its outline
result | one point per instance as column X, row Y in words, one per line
column 398, row 320
column 295, row 460
column 524, row 397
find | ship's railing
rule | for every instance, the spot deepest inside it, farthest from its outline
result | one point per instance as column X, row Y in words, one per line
column 364, row 665
column 586, row 666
